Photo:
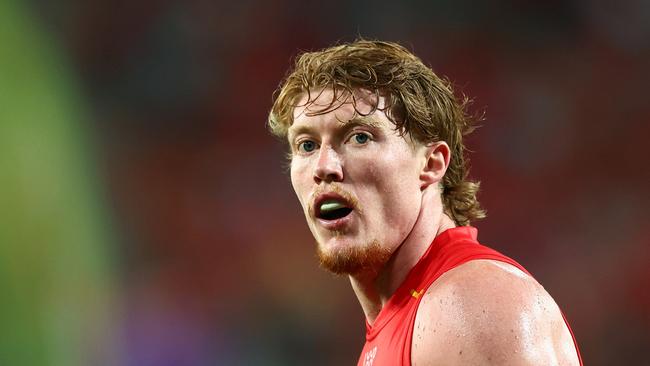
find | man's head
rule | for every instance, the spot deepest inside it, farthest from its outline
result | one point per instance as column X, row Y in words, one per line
column 370, row 129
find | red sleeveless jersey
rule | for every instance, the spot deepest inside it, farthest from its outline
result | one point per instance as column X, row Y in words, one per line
column 389, row 339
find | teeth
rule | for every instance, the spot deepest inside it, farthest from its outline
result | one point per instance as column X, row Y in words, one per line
column 330, row 206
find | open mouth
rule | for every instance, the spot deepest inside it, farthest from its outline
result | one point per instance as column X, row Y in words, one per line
column 332, row 209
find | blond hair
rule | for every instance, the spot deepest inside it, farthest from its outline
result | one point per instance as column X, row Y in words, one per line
column 418, row 102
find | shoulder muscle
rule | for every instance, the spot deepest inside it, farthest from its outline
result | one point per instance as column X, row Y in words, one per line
column 488, row 312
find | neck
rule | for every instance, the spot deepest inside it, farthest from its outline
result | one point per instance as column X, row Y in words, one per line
column 373, row 289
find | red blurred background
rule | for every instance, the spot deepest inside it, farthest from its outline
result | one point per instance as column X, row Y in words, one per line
column 214, row 263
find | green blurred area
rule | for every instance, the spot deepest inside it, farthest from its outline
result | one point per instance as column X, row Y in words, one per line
column 55, row 288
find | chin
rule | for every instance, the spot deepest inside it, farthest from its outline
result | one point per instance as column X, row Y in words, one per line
column 353, row 258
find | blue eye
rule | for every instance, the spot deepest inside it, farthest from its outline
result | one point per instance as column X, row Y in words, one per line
column 308, row 146
column 361, row 138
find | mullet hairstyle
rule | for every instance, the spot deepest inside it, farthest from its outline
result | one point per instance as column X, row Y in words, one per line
column 418, row 102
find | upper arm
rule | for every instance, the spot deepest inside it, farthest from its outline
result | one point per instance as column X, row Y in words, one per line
column 487, row 312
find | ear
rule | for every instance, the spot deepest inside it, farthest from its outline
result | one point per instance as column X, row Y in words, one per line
column 436, row 162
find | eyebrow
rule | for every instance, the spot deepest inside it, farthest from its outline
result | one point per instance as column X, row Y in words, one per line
column 353, row 122
column 363, row 121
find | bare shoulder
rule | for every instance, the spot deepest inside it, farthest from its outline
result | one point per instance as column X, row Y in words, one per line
column 489, row 312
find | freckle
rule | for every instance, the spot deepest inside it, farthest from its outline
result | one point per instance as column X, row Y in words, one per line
column 483, row 311
column 460, row 352
column 512, row 331
column 489, row 358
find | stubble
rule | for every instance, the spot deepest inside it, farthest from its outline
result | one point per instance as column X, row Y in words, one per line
column 354, row 259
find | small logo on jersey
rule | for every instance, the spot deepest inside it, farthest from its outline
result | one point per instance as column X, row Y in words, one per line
column 370, row 357
column 416, row 294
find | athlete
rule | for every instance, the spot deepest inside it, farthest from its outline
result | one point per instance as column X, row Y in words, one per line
column 378, row 165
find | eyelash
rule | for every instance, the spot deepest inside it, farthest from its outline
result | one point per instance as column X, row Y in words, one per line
column 300, row 144
column 302, row 150
column 367, row 136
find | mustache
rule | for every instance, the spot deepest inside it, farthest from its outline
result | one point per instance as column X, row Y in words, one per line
column 334, row 188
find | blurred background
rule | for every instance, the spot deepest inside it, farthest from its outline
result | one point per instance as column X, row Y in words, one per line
column 147, row 216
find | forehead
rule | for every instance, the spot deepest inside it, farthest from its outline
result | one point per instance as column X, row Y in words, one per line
column 342, row 107
column 318, row 99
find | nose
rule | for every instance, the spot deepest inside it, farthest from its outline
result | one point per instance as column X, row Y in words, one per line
column 328, row 167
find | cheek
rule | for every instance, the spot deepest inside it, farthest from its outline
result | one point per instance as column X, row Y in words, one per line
column 397, row 173
column 395, row 184
column 299, row 181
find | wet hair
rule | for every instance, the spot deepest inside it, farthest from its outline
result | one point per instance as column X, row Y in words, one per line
column 417, row 101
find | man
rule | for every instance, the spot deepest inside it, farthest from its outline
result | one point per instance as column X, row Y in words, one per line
column 377, row 164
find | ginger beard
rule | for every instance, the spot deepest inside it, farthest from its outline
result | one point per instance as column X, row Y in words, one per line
column 351, row 259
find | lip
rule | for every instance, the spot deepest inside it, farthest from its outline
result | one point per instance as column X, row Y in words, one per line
column 336, row 224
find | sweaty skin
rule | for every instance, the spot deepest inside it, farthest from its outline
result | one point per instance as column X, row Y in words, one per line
column 481, row 312
column 392, row 179
column 339, row 150
column 490, row 313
